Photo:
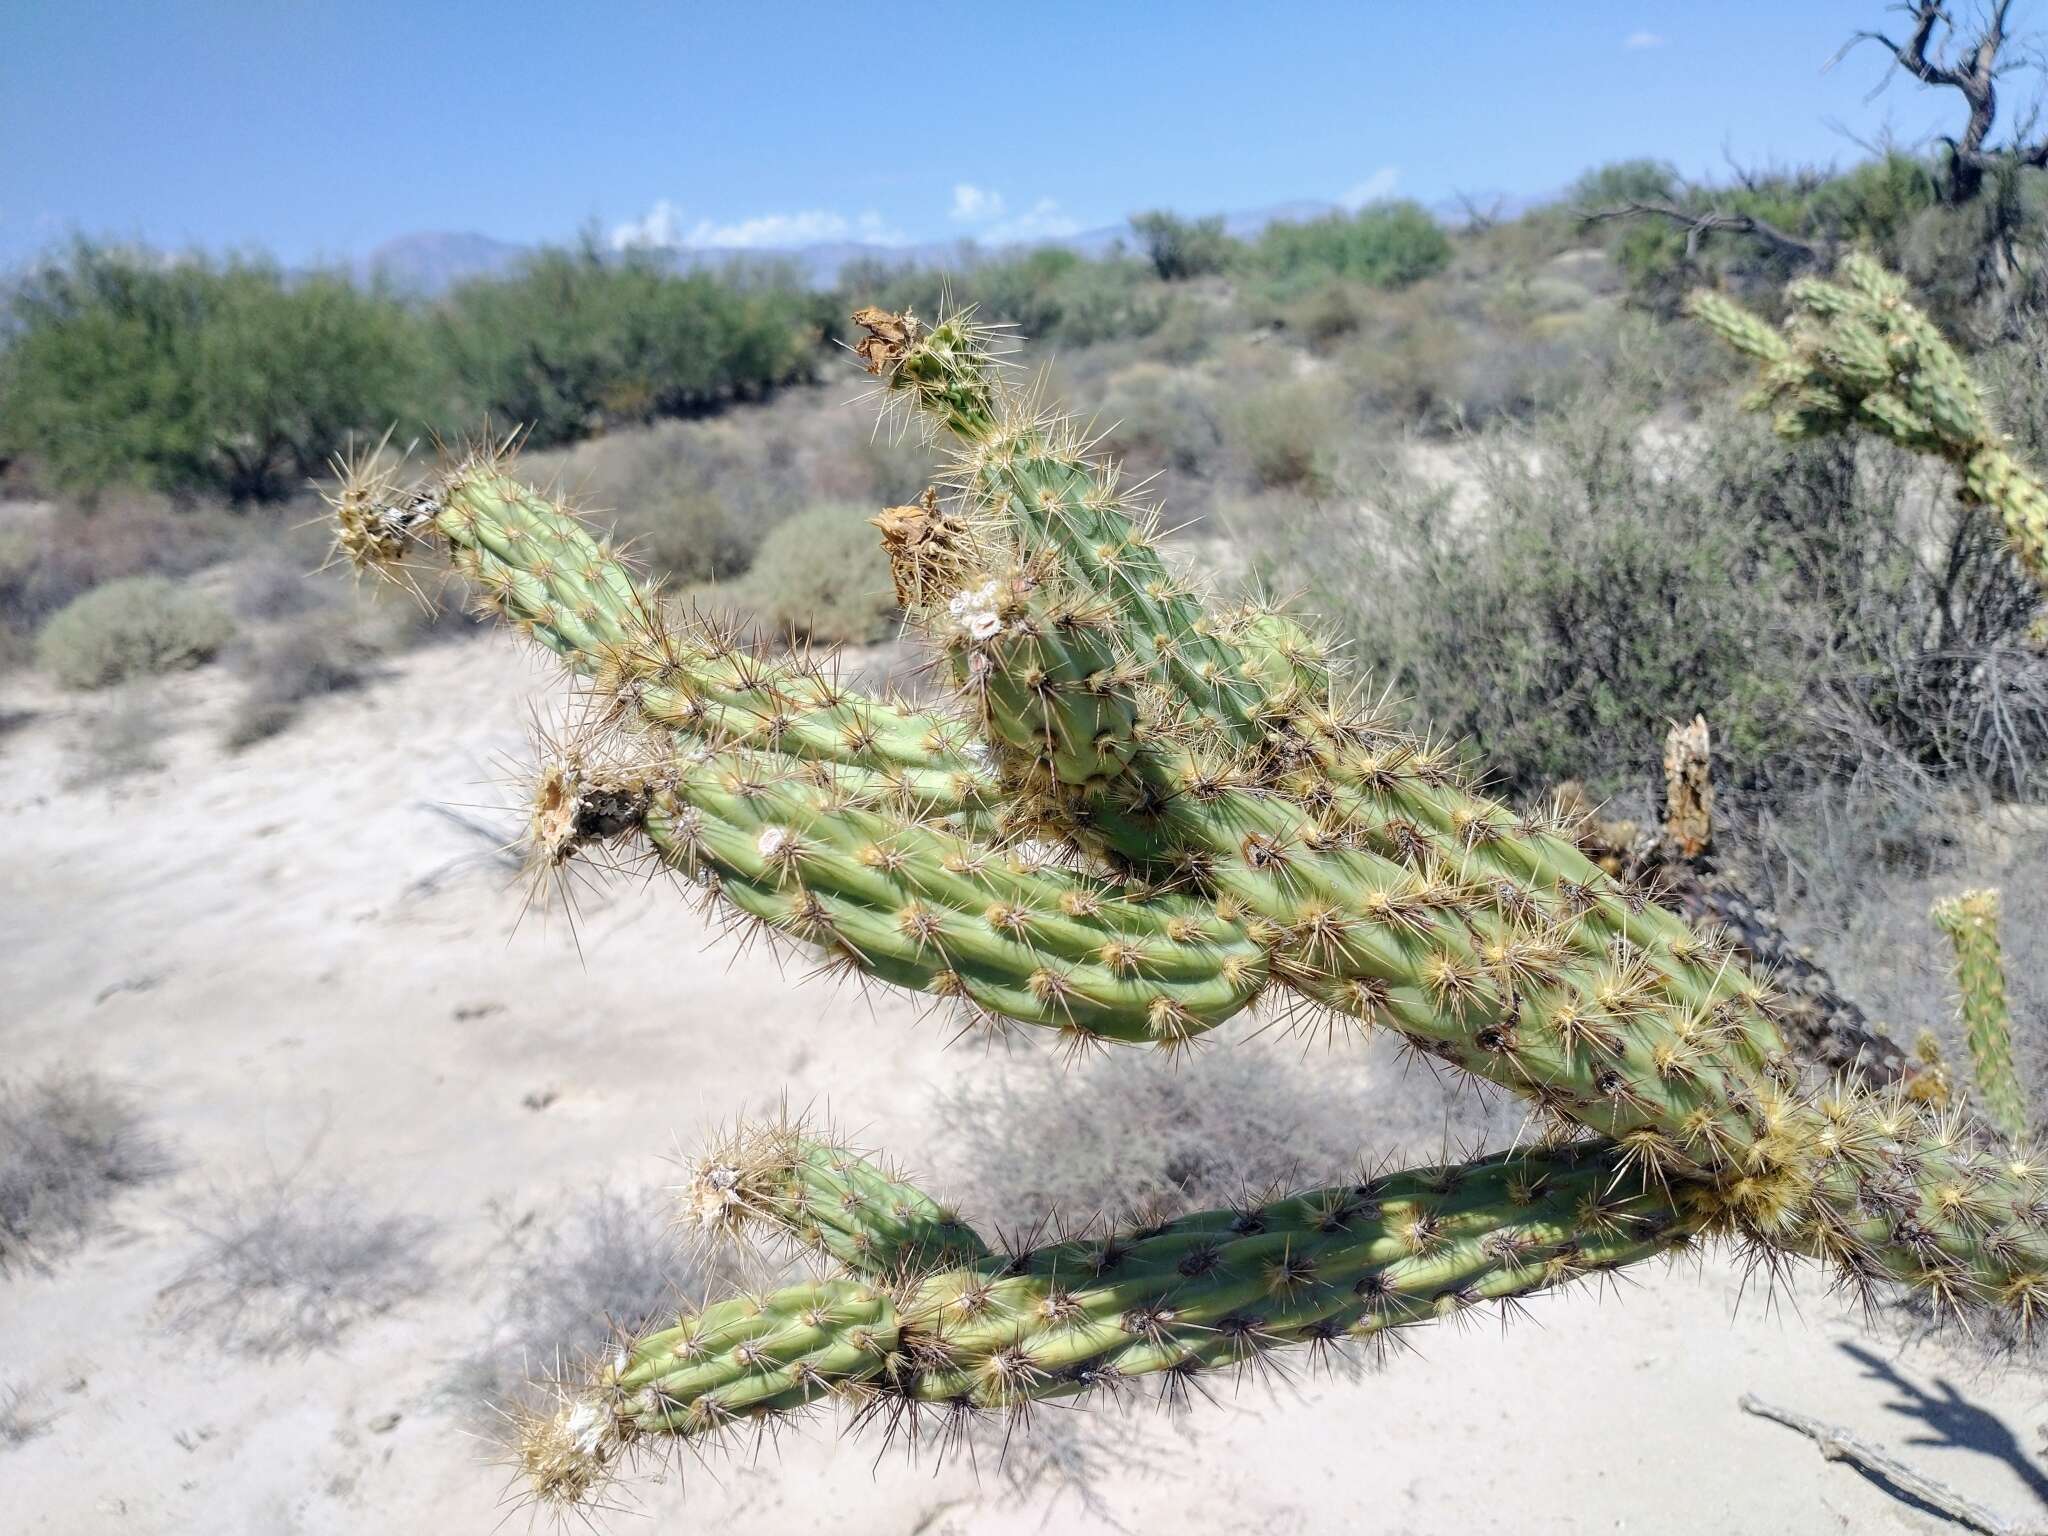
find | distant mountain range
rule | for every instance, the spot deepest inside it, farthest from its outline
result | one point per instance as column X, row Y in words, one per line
column 430, row 263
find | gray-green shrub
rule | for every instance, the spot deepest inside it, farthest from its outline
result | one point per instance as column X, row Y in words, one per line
column 131, row 627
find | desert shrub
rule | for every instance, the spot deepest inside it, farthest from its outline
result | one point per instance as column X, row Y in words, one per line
column 576, row 340
column 283, row 667
column 1387, row 245
column 820, row 576
column 48, row 559
column 133, row 627
column 69, row 1144
column 1577, row 600
column 611, row 1259
column 1163, row 418
column 1283, row 433
column 1048, row 294
column 1182, row 248
column 195, row 375
column 286, row 1265
column 1599, row 575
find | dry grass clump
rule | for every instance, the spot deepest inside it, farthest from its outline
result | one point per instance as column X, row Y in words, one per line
column 21, row 1417
column 289, row 1266
column 69, row 1144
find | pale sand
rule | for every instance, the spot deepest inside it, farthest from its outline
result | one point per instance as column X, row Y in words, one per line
column 289, row 943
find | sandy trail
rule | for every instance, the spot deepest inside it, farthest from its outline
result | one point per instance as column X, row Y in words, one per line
column 288, row 950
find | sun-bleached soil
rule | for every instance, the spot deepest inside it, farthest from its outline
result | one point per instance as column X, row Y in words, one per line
column 292, row 958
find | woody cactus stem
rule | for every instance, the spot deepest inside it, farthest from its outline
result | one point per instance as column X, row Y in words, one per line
column 1971, row 922
column 941, row 1332
column 1855, row 354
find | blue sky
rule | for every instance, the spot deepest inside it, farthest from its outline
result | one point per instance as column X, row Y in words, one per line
column 317, row 130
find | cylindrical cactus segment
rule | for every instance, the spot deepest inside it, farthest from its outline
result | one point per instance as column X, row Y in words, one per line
column 1028, row 486
column 1856, row 352
column 1971, row 922
column 1212, row 1291
column 823, row 861
column 539, row 568
column 785, row 1180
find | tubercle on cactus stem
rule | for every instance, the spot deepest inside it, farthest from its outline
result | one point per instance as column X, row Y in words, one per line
column 1970, row 920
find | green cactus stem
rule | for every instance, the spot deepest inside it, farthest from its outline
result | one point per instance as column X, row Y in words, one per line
column 1856, row 353
column 1209, row 1293
column 916, row 1319
column 1971, row 922
column 783, row 1180
column 536, row 566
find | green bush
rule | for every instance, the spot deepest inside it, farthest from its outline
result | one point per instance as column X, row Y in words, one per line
column 197, row 376
column 577, row 340
column 1387, row 245
column 1162, row 418
column 132, row 627
column 1182, row 248
column 1049, row 294
column 820, row 576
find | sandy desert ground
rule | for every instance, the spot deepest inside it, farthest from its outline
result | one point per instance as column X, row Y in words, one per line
column 291, row 956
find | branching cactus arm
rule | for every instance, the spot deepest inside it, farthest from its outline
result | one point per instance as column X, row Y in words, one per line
column 1857, row 354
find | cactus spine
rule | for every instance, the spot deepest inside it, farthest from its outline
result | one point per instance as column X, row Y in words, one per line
column 1971, row 922
column 1146, row 815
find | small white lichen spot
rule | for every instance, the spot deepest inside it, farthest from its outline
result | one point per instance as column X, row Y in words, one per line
column 975, row 610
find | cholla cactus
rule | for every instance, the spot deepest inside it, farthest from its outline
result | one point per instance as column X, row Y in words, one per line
column 1856, row 354
column 1971, row 922
column 1138, row 815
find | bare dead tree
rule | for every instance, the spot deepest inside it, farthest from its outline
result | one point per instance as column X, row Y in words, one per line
column 1934, row 53
column 1699, row 224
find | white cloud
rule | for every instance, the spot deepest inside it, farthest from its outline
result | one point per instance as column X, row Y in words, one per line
column 1043, row 220
column 662, row 225
column 974, row 204
column 1380, row 184
column 1635, row 42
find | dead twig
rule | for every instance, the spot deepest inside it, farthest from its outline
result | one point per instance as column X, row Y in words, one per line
column 1837, row 1444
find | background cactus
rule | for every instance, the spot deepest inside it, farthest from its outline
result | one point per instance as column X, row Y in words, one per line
column 1971, row 922
column 1144, row 815
column 1855, row 353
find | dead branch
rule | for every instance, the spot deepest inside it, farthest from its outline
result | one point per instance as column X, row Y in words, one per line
column 1837, row 1444
column 1699, row 225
